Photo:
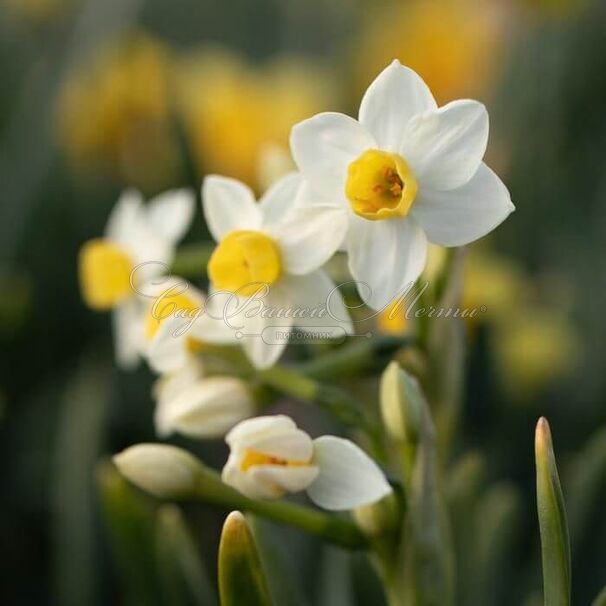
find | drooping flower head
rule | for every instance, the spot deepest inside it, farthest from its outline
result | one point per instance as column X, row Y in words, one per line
column 405, row 173
column 193, row 404
column 270, row 456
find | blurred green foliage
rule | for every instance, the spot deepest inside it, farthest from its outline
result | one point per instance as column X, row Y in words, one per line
column 63, row 406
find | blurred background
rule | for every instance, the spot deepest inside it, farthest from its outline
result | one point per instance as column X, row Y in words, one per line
column 96, row 95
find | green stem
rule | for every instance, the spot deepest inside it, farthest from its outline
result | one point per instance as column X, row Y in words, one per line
column 353, row 357
column 338, row 530
column 192, row 259
column 329, row 397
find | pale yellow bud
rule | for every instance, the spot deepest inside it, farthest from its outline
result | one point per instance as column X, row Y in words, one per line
column 401, row 404
column 162, row 470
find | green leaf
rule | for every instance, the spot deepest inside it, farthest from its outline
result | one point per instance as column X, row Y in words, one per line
column 601, row 599
column 182, row 571
column 78, row 444
column 335, row 587
column 283, row 553
column 497, row 517
column 586, row 480
column 241, row 578
column 429, row 562
column 129, row 519
column 555, row 544
column 464, row 483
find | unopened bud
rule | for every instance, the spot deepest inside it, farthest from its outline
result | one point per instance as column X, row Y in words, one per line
column 401, row 404
column 162, row 470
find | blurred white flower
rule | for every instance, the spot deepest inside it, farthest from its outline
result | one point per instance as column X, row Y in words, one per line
column 404, row 173
column 179, row 320
column 267, row 263
column 138, row 244
column 270, row 457
column 189, row 403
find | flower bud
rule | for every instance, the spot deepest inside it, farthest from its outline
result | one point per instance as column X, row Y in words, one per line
column 401, row 404
column 162, row 470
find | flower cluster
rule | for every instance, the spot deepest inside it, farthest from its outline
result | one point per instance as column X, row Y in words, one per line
column 381, row 188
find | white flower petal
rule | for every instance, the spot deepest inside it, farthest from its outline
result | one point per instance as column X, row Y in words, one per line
column 129, row 227
column 396, row 95
column 168, row 350
column 170, row 214
column 309, row 236
column 127, row 213
column 169, row 385
column 207, row 408
column 248, row 432
column 462, row 215
column 445, row 147
column 348, row 477
column 267, row 481
column 291, row 445
column 264, row 352
column 285, row 479
column 275, row 435
column 385, row 257
column 208, row 329
column 318, row 294
column 127, row 320
column 228, row 205
column 324, row 146
column 280, row 199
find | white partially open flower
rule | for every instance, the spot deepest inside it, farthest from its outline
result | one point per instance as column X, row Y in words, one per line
column 199, row 406
column 404, row 173
column 270, row 457
column 267, row 262
column 138, row 244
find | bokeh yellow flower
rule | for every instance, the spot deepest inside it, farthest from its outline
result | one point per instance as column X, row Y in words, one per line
column 536, row 347
column 454, row 46
column 533, row 343
column 235, row 112
column 495, row 284
column 114, row 114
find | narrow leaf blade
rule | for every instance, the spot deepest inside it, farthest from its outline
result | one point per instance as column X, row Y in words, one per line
column 241, row 578
column 555, row 543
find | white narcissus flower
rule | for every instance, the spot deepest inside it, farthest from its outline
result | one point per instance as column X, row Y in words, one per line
column 405, row 173
column 199, row 406
column 139, row 237
column 268, row 258
column 270, row 457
